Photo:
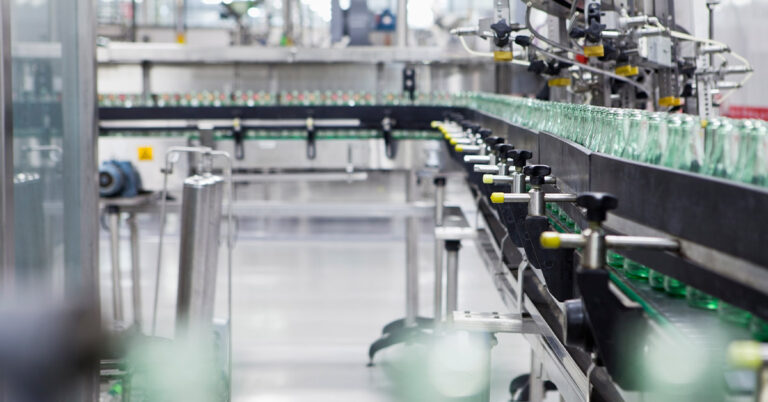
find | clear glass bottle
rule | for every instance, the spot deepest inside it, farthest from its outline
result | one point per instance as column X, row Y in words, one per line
column 656, row 280
column 635, row 270
column 616, row 261
column 698, row 299
column 673, row 287
column 734, row 315
column 759, row 329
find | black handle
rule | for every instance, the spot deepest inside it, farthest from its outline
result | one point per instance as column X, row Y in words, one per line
column 537, row 173
column 493, row 141
column 597, row 205
column 484, row 133
column 239, row 136
column 503, row 149
column 311, row 144
column 520, row 157
column 502, row 31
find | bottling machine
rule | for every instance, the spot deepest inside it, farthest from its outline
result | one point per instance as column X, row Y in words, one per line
column 620, row 218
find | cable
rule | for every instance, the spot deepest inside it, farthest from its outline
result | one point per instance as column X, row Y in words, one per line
column 592, row 69
column 473, row 52
column 743, row 60
column 538, row 35
column 489, row 54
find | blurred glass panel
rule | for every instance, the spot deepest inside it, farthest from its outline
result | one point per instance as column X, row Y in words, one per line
column 51, row 130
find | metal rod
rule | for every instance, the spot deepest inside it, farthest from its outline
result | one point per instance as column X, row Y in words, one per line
column 181, row 21
column 117, row 296
column 641, row 242
column 439, row 218
column 477, row 159
column 135, row 271
column 411, row 256
column 452, row 279
column 486, row 169
column 7, row 260
column 558, row 197
column 402, row 23
column 536, row 380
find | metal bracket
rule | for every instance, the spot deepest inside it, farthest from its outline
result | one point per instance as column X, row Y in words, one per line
column 494, row 323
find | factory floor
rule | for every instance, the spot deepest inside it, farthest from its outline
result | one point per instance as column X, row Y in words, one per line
column 309, row 297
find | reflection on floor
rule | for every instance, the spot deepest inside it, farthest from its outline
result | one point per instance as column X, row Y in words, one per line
column 307, row 307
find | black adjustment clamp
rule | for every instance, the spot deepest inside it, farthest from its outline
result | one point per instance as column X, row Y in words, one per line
column 389, row 141
column 311, row 139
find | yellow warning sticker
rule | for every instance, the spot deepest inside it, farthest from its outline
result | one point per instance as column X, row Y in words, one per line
column 146, row 154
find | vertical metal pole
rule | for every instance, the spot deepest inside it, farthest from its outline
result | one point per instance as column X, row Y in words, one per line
column 402, row 23
column 536, row 383
column 452, row 278
column 133, row 20
column 439, row 217
column 411, row 255
column 288, row 21
column 181, row 21
column 6, row 149
column 117, row 292
column 135, row 271
column 146, row 78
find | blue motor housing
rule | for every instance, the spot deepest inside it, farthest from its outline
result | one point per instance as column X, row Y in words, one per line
column 119, row 179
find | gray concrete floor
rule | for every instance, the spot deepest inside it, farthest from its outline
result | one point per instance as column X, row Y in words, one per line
column 307, row 306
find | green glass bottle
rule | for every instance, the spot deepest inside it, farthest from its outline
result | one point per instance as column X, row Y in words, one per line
column 635, row 270
column 733, row 314
column 656, row 279
column 673, row 287
column 698, row 299
column 616, row 261
column 759, row 329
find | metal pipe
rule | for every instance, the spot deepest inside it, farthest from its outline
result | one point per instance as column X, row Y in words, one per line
column 202, row 202
column 135, row 271
column 475, row 159
column 486, row 169
column 411, row 256
column 642, row 242
column 181, row 21
column 452, row 278
column 288, row 32
column 439, row 244
column 117, row 294
column 560, row 197
column 402, row 23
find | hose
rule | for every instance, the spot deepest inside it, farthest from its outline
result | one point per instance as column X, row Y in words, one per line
column 543, row 38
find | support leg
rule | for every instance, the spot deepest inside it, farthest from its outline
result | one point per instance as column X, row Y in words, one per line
column 114, row 230
column 452, row 278
column 536, row 380
column 412, row 257
column 439, row 216
column 135, row 272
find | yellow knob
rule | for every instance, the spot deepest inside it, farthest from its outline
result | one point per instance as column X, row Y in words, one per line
column 454, row 142
column 487, row 179
column 435, row 124
column 446, row 136
column 497, row 198
column 550, row 240
column 459, row 148
column 746, row 354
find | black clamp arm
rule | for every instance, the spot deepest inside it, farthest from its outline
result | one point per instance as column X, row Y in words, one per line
column 311, row 139
column 389, row 141
column 238, row 135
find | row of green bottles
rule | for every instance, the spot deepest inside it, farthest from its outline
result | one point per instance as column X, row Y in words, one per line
column 722, row 147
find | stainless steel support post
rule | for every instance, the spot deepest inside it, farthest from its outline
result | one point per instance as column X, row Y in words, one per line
column 402, row 23
column 452, row 277
column 135, row 272
column 181, row 21
column 536, row 382
column 117, row 293
column 411, row 256
column 439, row 217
